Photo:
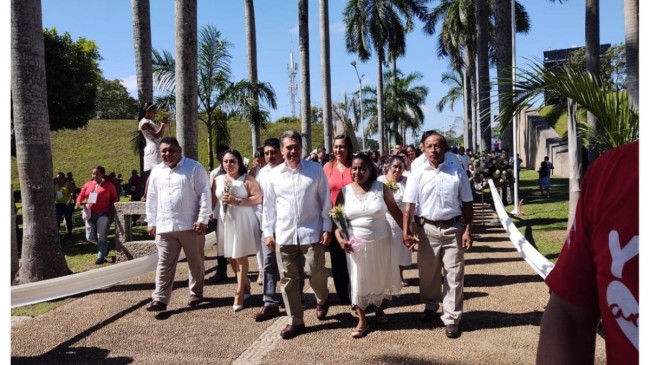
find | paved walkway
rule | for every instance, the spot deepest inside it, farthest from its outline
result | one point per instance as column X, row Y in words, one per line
column 504, row 302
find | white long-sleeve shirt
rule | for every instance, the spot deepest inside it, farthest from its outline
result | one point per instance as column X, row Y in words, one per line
column 296, row 204
column 178, row 197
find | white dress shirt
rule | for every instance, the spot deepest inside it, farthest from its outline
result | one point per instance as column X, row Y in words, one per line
column 262, row 177
column 178, row 197
column 438, row 192
column 296, row 204
column 213, row 182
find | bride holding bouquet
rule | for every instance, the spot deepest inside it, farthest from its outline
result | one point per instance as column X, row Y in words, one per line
column 365, row 235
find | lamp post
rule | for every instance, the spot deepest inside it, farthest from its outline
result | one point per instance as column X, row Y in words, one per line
column 515, row 127
column 363, row 129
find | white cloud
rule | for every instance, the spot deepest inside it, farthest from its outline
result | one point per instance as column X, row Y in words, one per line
column 131, row 85
column 338, row 27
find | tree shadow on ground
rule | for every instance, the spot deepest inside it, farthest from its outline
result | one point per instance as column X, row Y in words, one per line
column 64, row 353
column 487, row 249
column 490, row 280
column 75, row 355
column 491, row 260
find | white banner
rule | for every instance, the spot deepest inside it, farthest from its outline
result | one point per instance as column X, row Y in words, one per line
column 65, row 286
column 536, row 260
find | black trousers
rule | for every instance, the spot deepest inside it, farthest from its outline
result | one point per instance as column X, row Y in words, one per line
column 340, row 271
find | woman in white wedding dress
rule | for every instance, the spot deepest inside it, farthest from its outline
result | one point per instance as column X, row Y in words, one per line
column 373, row 275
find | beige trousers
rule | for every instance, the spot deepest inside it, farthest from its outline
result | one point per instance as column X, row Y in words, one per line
column 291, row 261
column 440, row 251
column 169, row 248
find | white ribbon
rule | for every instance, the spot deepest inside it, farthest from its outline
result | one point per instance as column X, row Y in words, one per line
column 536, row 260
column 65, row 286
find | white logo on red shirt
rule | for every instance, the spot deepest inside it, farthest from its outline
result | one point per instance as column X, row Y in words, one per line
column 620, row 300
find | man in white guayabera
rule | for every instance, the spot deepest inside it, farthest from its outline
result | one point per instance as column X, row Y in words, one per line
column 296, row 224
column 178, row 207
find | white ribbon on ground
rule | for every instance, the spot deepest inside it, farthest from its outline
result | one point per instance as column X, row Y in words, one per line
column 536, row 260
column 65, row 286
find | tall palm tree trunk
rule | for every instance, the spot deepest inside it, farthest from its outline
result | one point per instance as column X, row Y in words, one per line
column 14, row 239
column 631, row 11
column 468, row 138
column 251, row 52
column 475, row 118
column 187, row 127
column 380, row 106
column 503, row 30
column 142, row 44
column 305, row 105
column 42, row 256
column 575, row 161
column 483, row 70
column 592, row 55
column 326, row 81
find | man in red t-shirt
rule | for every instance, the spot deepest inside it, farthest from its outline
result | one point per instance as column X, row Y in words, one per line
column 597, row 273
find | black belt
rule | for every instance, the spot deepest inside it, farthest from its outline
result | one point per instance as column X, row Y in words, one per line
column 421, row 221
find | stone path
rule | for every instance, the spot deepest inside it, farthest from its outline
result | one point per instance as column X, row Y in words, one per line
column 504, row 302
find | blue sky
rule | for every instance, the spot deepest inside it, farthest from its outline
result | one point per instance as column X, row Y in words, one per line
column 553, row 26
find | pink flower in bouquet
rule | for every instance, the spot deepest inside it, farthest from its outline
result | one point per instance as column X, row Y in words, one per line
column 356, row 243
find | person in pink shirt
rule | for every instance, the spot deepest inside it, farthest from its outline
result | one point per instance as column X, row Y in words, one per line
column 100, row 195
column 338, row 175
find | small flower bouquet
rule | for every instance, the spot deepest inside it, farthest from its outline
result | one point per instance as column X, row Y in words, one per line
column 486, row 166
column 338, row 216
column 227, row 187
column 392, row 186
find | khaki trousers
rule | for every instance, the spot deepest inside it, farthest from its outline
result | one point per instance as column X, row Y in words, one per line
column 440, row 251
column 291, row 261
column 169, row 248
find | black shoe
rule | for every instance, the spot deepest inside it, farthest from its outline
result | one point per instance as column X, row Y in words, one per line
column 100, row 261
column 452, row 330
column 429, row 315
column 267, row 312
column 156, row 306
column 321, row 311
column 219, row 277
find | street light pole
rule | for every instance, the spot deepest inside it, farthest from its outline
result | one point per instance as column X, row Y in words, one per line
column 515, row 126
column 363, row 129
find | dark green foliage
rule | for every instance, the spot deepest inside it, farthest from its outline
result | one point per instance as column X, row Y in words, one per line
column 72, row 73
column 114, row 102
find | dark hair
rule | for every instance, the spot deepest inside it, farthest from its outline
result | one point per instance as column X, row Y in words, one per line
column 432, row 132
column 134, row 172
column 240, row 161
column 368, row 163
column 322, row 149
column 417, row 150
column 396, row 157
column 170, row 140
column 348, row 147
column 222, row 148
column 293, row 135
column 259, row 152
column 101, row 169
column 272, row 142
column 143, row 109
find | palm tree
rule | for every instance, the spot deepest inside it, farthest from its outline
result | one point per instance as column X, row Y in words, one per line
column 631, row 10
column 503, row 37
column 456, row 90
column 42, row 256
column 218, row 96
column 326, row 81
column 483, row 74
column 404, row 104
column 618, row 123
column 251, row 51
column 142, row 44
column 347, row 117
column 592, row 56
column 305, row 96
column 376, row 25
column 187, row 129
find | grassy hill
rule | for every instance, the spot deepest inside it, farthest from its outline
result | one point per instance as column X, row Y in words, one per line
column 108, row 143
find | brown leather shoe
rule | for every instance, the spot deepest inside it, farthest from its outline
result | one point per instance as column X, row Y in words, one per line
column 292, row 330
column 156, row 306
column 452, row 330
column 321, row 311
column 194, row 300
column 266, row 313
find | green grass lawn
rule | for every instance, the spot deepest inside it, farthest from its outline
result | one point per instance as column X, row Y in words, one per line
column 544, row 220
